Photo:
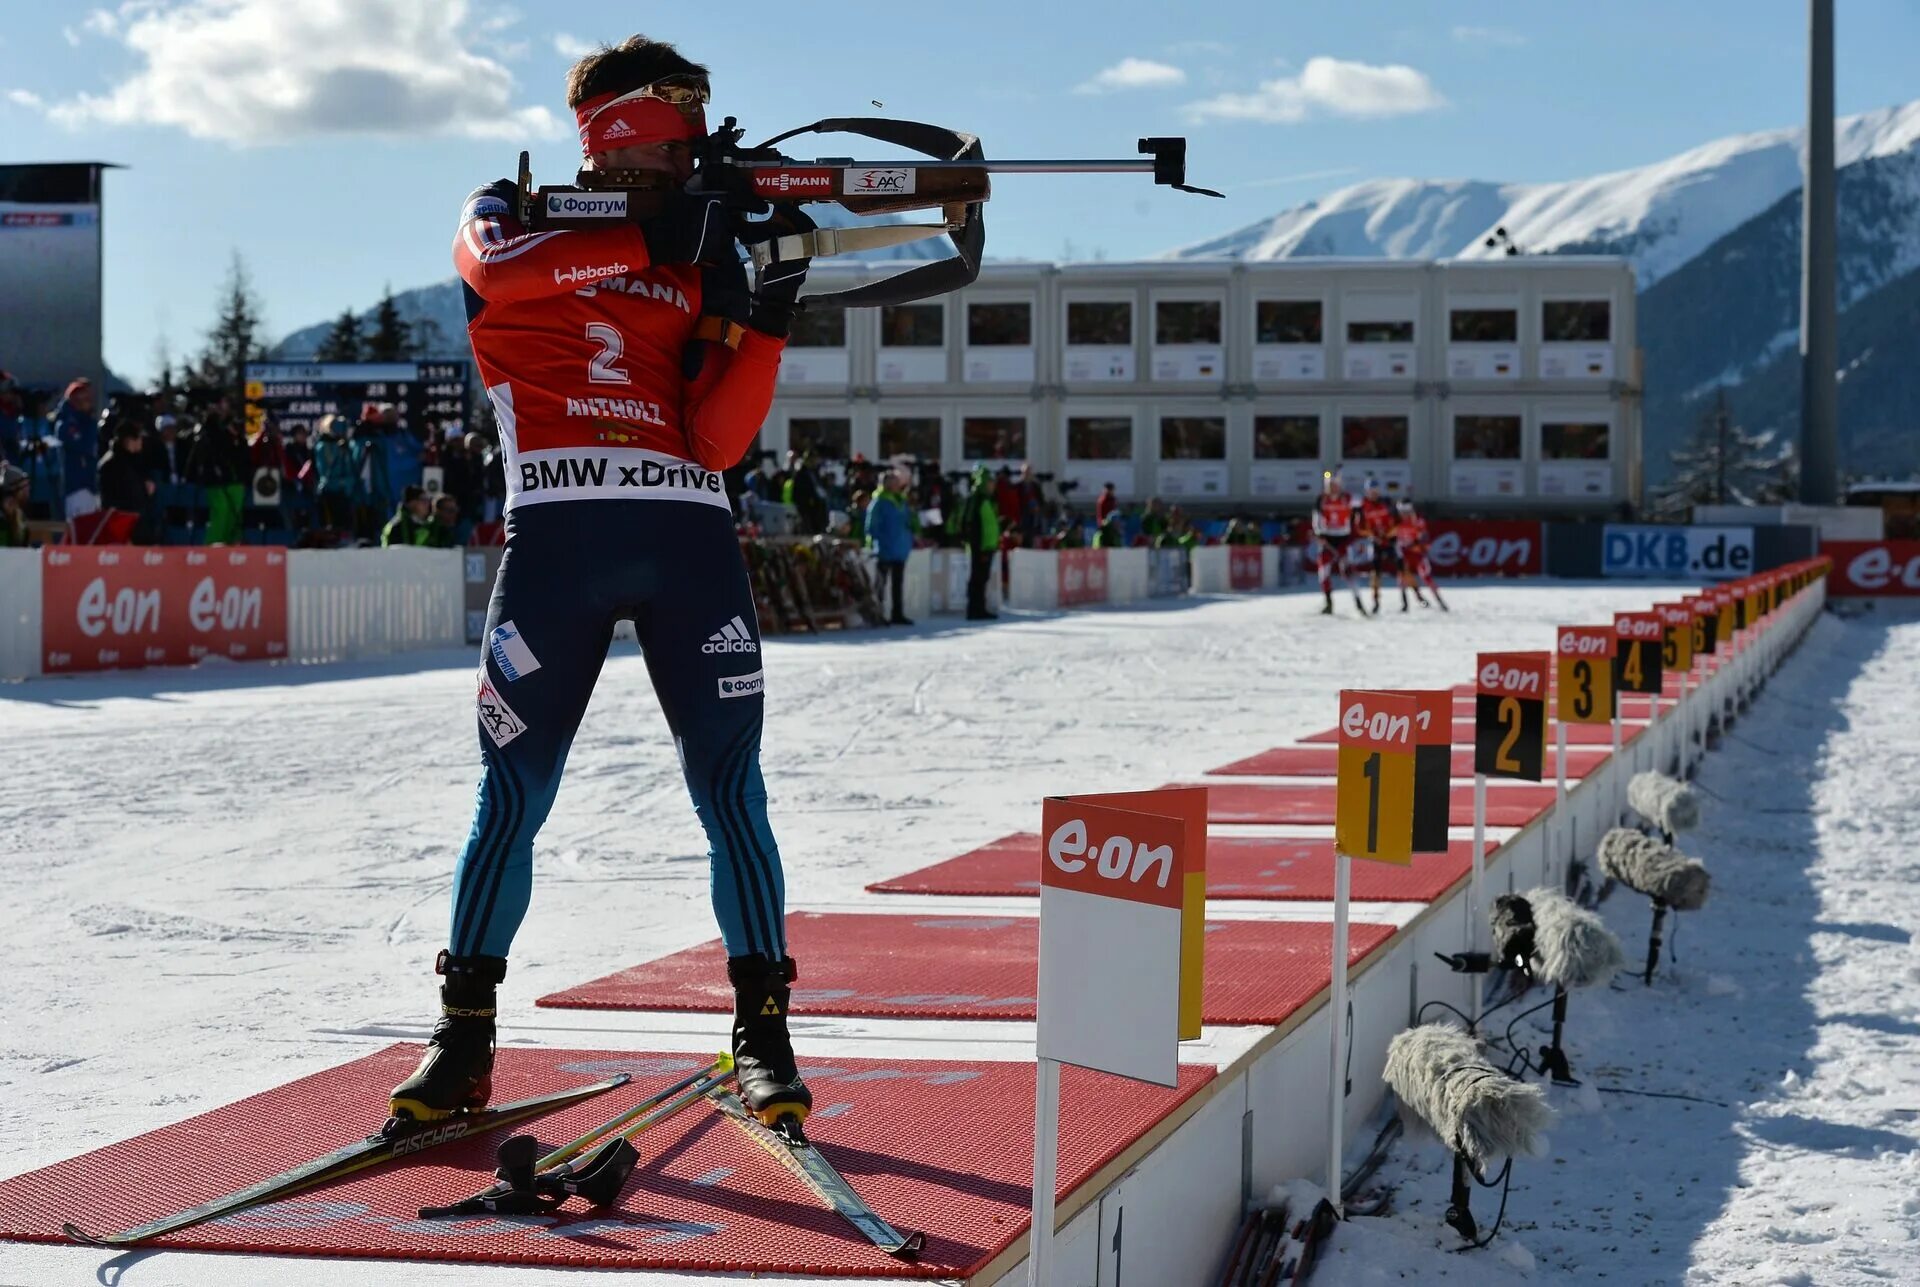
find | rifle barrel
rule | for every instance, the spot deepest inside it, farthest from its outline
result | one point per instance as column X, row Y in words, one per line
column 1126, row 166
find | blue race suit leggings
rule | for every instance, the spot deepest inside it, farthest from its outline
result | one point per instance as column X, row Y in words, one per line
column 570, row 571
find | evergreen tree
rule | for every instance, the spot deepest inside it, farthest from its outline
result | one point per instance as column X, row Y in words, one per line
column 427, row 338
column 391, row 340
column 236, row 338
column 343, row 341
column 1723, row 464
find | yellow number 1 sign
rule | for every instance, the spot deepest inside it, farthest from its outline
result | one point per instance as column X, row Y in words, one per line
column 1373, row 798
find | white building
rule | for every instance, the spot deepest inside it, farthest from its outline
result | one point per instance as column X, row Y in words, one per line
column 1485, row 385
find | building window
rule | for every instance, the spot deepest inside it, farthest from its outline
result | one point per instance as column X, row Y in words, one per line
column 1380, row 332
column 1193, row 438
column 819, row 328
column 1585, row 440
column 915, row 436
column 1102, row 322
column 1576, row 321
column 830, row 436
column 1005, row 325
column 993, row 438
column 1099, row 437
column 1286, row 437
column 1486, row 437
column 1186, row 321
column 1286, row 321
column 1483, row 326
column 1373, row 437
column 913, row 326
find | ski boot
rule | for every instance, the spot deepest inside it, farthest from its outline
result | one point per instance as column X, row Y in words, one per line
column 763, row 1062
column 1326, row 609
column 456, row 1073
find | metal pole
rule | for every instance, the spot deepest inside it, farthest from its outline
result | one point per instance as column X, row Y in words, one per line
column 1560, row 789
column 1337, row 1013
column 1819, row 307
column 1476, row 907
column 1046, row 1152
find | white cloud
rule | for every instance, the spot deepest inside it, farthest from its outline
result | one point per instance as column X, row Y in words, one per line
column 262, row 71
column 24, row 98
column 1326, row 87
column 1493, row 37
column 1132, row 73
column 572, row 46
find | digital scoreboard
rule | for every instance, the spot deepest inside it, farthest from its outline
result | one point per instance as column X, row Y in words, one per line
column 430, row 395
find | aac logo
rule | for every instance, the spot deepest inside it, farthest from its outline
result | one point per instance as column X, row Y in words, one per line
column 1115, row 858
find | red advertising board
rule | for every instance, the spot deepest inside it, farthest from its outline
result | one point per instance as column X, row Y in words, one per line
column 1083, row 577
column 1243, row 567
column 1873, row 567
column 121, row 607
column 1487, row 547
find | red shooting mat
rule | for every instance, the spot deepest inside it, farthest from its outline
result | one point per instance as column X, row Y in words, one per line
column 704, row 1197
column 1255, row 867
column 1322, row 761
column 1577, row 734
column 1509, row 804
column 972, row 967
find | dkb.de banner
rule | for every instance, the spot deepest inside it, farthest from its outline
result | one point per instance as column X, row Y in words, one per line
column 1681, row 553
column 121, row 607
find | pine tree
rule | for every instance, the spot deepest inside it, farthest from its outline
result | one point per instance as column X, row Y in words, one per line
column 237, row 336
column 1723, row 464
column 391, row 340
column 427, row 338
column 343, row 341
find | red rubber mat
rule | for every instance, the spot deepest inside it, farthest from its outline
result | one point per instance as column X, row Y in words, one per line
column 971, row 967
column 1577, row 734
column 1322, row 761
column 1509, row 804
column 704, row 1197
column 1269, row 868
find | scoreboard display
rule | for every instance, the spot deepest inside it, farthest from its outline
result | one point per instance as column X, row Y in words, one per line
column 430, row 395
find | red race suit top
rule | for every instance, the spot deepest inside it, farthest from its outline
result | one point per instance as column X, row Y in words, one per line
column 1333, row 515
column 579, row 341
column 1376, row 518
column 1410, row 534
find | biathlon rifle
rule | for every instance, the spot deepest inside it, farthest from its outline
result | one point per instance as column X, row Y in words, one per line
column 953, row 180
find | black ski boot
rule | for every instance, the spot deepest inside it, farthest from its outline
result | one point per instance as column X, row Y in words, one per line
column 763, row 1062
column 456, row 1073
column 1326, row 609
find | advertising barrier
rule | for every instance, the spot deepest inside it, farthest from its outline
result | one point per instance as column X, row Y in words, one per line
column 1487, row 547
column 1243, row 567
column 1677, row 553
column 1083, row 577
column 1873, row 567
column 124, row 607
column 1166, row 573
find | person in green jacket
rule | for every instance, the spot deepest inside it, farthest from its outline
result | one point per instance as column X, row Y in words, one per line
column 1110, row 536
column 412, row 521
column 1179, row 533
column 980, row 533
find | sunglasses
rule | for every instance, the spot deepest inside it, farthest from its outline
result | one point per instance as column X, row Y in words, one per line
column 690, row 96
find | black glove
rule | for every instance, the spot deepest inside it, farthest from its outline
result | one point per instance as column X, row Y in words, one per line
column 777, row 292
column 689, row 229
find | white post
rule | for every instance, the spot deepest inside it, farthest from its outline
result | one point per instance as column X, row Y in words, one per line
column 1337, row 1007
column 1617, row 776
column 1685, row 712
column 1656, row 731
column 1476, row 908
column 1560, row 794
column 1046, row 1151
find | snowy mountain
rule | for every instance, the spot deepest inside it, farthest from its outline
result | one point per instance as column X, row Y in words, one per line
column 442, row 310
column 1660, row 215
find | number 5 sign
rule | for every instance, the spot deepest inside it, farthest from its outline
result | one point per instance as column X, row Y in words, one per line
column 1373, row 796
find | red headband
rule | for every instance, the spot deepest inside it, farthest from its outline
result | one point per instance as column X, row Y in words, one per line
column 604, row 126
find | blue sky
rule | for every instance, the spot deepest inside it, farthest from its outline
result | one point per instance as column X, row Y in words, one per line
column 331, row 142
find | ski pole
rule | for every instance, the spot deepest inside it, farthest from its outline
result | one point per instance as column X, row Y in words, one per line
column 694, row 1084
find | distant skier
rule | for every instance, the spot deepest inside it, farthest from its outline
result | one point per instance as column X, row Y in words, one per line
column 1411, row 541
column 622, row 394
column 1374, row 541
column 1334, row 519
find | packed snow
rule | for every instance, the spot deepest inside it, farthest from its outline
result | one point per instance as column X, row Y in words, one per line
column 229, row 877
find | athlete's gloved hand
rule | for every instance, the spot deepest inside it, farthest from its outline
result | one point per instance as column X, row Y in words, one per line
column 689, row 229
column 776, row 294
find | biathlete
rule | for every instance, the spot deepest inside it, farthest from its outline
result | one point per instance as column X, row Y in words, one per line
column 1375, row 539
column 1335, row 517
column 624, row 383
column 1410, row 540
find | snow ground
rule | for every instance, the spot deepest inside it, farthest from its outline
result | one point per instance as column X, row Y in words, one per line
column 230, row 877
column 1793, row 1005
